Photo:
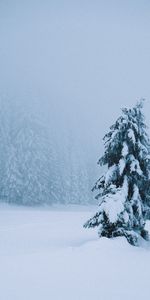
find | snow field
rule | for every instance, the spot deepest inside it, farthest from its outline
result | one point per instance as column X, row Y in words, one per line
column 46, row 254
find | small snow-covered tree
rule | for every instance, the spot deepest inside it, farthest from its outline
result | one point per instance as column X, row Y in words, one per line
column 123, row 190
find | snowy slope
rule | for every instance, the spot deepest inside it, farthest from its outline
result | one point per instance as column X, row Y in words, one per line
column 45, row 254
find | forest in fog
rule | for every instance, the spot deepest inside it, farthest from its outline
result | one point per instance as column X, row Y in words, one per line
column 38, row 165
column 64, row 76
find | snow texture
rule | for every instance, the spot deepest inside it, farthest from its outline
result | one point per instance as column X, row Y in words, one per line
column 122, row 164
column 110, row 174
column 131, row 136
column 135, row 166
column 46, row 254
column 113, row 204
column 125, row 149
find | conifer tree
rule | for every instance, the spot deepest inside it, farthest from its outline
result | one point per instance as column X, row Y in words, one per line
column 123, row 189
column 28, row 177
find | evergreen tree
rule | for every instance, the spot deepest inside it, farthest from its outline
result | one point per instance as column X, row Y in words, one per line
column 123, row 190
column 28, row 175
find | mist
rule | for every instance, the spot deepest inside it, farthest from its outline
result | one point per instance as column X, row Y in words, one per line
column 73, row 65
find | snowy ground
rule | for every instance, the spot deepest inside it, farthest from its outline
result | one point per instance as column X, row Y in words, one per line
column 47, row 255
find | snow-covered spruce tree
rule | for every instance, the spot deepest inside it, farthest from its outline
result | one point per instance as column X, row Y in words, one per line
column 123, row 190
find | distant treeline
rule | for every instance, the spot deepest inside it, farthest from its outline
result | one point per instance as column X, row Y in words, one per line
column 35, row 168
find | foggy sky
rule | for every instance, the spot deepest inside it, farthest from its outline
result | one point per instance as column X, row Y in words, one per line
column 78, row 62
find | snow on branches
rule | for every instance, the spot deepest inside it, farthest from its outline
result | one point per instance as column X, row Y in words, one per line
column 123, row 191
